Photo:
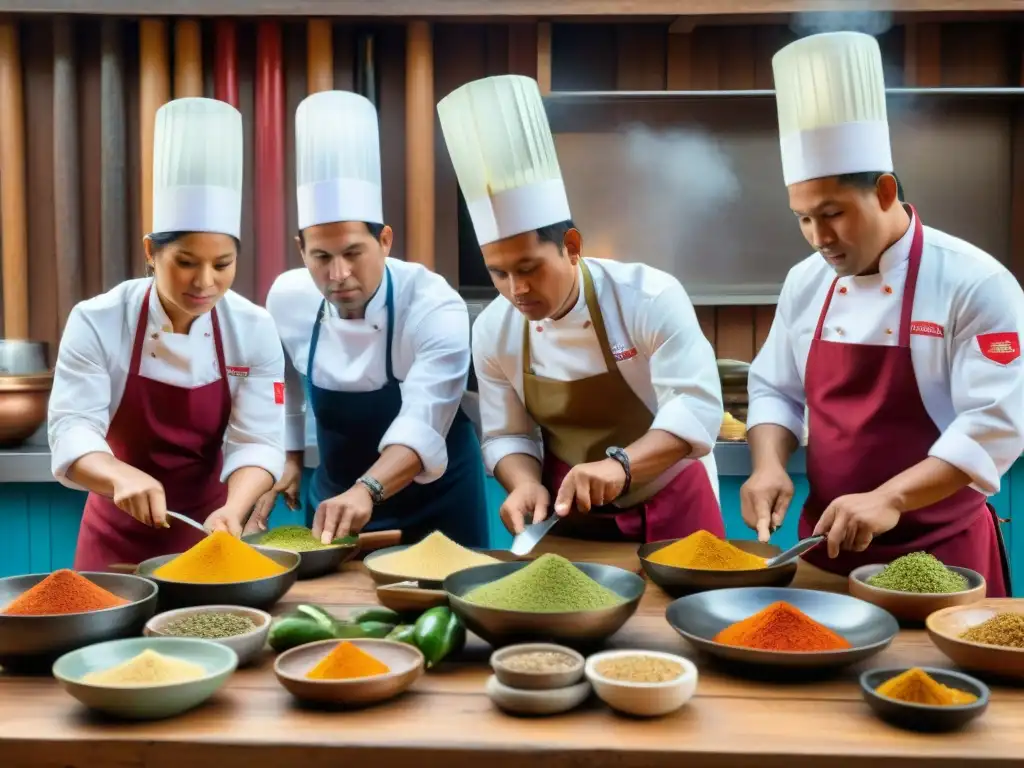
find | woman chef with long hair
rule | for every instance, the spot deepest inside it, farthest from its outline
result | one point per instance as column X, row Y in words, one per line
column 168, row 390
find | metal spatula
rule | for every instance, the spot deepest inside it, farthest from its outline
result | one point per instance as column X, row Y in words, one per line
column 524, row 542
column 188, row 521
column 795, row 551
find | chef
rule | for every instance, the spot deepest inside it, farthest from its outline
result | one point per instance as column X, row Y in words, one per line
column 902, row 342
column 168, row 390
column 381, row 345
column 598, row 391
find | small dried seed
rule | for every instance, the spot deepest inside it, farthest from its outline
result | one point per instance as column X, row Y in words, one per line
column 639, row 669
column 539, row 661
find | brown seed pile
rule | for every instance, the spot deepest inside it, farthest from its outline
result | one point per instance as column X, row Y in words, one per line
column 639, row 669
column 539, row 662
column 1005, row 629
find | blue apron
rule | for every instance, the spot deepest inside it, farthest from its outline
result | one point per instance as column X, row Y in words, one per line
column 349, row 427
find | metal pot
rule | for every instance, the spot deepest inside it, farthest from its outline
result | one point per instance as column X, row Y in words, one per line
column 19, row 358
column 23, row 401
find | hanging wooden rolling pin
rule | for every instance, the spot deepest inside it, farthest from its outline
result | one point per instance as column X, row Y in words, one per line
column 66, row 182
column 188, row 59
column 114, row 227
column 419, row 143
column 225, row 62
column 154, row 92
column 269, row 175
column 13, row 219
column 319, row 56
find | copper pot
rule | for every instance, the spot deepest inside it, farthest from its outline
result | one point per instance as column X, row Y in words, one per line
column 23, row 401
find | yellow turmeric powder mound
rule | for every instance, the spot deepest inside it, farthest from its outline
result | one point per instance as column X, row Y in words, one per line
column 704, row 551
column 916, row 686
column 148, row 668
column 347, row 662
column 220, row 558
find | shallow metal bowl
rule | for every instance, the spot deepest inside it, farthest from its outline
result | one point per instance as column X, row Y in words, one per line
column 313, row 563
column 679, row 581
column 700, row 617
column 29, row 643
column 258, row 593
column 576, row 629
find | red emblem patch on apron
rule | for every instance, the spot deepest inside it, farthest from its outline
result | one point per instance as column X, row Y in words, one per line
column 238, row 370
column 1002, row 348
column 279, row 392
column 920, row 328
column 624, row 354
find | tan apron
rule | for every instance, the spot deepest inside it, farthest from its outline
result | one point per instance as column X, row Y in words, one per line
column 580, row 419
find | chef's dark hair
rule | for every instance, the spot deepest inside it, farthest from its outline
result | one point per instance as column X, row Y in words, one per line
column 161, row 240
column 555, row 233
column 375, row 232
column 869, row 180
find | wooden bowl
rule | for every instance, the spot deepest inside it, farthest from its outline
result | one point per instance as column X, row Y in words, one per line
column 409, row 597
column 946, row 626
column 914, row 606
column 406, row 663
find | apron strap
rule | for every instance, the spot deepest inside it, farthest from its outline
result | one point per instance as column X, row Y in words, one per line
column 140, row 334
column 910, row 288
column 824, row 310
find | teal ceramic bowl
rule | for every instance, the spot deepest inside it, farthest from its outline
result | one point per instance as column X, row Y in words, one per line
column 145, row 702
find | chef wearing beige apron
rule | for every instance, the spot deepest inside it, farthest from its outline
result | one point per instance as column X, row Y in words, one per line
column 599, row 394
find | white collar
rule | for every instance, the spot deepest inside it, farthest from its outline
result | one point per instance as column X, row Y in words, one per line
column 158, row 315
column 899, row 252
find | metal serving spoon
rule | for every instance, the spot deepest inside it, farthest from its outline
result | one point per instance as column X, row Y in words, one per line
column 795, row 551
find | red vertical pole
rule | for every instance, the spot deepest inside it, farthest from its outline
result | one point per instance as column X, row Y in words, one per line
column 269, row 172
column 225, row 63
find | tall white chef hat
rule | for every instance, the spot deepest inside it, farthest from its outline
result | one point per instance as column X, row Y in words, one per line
column 830, row 92
column 337, row 154
column 197, row 167
column 504, row 156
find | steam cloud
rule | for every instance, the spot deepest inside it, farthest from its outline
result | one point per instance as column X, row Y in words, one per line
column 869, row 22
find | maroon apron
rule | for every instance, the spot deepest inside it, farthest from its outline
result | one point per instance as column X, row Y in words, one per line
column 867, row 424
column 175, row 435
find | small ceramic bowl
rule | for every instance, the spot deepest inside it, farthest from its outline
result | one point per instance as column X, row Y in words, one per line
column 248, row 645
column 536, row 681
column 405, row 662
column 145, row 702
column 914, row 606
column 550, row 702
column 925, row 717
column 643, row 699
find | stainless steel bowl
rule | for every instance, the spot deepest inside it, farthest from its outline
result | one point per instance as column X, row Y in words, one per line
column 681, row 581
column 700, row 617
column 23, row 401
column 19, row 357
column 33, row 643
column 258, row 593
column 313, row 563
column 576, row 629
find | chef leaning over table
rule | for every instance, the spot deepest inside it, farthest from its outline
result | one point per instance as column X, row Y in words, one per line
column 168, row 391
column 901, row 340
column 381, row 345
column 598, row 391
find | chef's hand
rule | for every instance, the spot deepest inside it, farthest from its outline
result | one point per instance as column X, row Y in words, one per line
column 141, row 496
column 764, row 499
column 342, row 515
column 851, row 522
column 592, row 485
column 288, row 486
column 528, row 503
column 224, row 519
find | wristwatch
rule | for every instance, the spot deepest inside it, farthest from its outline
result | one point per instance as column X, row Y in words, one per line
column 614, row 452
column 375, row 488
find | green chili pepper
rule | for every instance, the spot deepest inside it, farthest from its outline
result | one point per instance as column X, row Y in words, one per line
column 290, row 632
column 384, row 615
column 375, row 628
column 321, row 616
column 403, row 633
column 439, row 632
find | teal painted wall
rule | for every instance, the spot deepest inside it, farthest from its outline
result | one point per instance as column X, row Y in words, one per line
column 39, row 521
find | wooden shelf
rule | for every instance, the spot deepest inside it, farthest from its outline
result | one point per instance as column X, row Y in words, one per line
column 464, row 9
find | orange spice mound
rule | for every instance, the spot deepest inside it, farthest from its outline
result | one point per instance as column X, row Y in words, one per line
column 346, row 662
column 781, row 627
column 63, row 591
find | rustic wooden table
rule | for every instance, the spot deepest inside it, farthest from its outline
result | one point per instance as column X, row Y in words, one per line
column 446, row 720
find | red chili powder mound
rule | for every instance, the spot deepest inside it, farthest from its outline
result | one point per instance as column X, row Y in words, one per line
column 62, row 591
column 781, row 627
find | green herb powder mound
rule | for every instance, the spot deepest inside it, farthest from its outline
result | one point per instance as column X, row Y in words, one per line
column 295, row 538
column 919, row 572
column 550, row 584
column 210, row 625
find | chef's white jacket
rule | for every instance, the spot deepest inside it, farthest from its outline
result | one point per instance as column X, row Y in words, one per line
column 660, row 350
column 94, row 357
column 430, row 355
column 962, row 294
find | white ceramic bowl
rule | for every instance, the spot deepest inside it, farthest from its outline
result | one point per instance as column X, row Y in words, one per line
column 643, row 699
column 249, row 645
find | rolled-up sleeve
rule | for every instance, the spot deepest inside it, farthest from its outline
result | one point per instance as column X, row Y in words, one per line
column 294, row 408
column 504, row 422
column 987, row 384
column 432, row 390
column 775, row 389
column 79, row 408
column 255, row 433
column 684, row 372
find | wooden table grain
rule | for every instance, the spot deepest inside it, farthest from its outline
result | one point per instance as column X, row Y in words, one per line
column 446, row 719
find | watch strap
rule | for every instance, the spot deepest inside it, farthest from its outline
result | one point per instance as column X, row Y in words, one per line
column 620, row 455
column 374, row 487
